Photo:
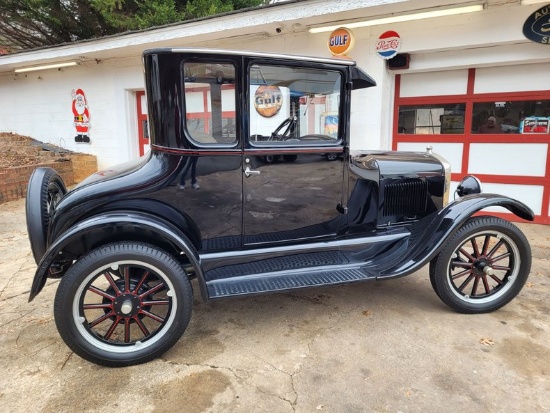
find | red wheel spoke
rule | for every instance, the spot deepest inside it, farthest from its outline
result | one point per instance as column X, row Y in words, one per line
column 467, row 254
column 501, row 257
column 485, row 245
column 501, row 268
column 126, row 275
column 486, row 284
column 153, row 316
column 97, row 306
column 111, row 330
column 496, row 279
column 474, row 246
column 142, row 327
column 155, row 289
column 141, row 281
column 462, row 264
column 155, row 302
column 495, row 248
column 100, row 292
column 465, row 283
column 112, row 283
column 101, row 319
column 127, row 330
column 474, row 288
column 460, row 274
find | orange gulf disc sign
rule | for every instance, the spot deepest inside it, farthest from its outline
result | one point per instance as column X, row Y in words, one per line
column 340, row 42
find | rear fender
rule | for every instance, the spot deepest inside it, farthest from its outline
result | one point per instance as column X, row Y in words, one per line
column 438, row 228
column 111, row 227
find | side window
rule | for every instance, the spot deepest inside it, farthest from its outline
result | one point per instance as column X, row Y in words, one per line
column 294, row 106
column 522, row 116
column 440, row 118
column 210, row 103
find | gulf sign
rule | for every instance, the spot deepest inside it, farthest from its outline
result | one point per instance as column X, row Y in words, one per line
column 340, row 42
column 388, row 44
column 268, row 100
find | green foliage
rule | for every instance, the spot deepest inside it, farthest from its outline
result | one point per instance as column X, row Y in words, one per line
column 33, row 23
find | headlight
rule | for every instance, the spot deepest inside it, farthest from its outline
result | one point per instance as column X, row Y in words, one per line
column 469, row 185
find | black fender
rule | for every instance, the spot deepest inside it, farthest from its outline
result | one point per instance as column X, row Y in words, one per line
column 431, row 232
column 107, row 227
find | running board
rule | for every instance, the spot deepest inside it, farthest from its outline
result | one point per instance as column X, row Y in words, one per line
column 276, row 282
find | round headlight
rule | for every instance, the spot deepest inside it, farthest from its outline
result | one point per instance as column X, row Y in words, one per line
column 469, row 185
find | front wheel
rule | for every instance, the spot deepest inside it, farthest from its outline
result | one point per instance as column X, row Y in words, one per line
column 482, row 267
column 123, row 304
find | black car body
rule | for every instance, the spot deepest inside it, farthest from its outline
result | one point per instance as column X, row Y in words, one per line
column 205, row 204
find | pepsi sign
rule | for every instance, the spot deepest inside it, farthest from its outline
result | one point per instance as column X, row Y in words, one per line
column 537, row 26
column 388, row 44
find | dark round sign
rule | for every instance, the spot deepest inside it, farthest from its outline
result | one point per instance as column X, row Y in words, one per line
column 537, row 26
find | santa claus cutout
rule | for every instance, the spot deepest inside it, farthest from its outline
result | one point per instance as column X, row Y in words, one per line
column 81, row 116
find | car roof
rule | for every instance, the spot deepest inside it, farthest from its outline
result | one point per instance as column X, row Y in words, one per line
column 359, row 78
column 336, row 61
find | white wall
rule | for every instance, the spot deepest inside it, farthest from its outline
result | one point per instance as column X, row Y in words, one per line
column 38, row 104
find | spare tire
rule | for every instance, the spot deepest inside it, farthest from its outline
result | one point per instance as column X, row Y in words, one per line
column 45, row 190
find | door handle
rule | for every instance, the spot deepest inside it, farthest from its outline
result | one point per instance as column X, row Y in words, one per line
column 248, row 172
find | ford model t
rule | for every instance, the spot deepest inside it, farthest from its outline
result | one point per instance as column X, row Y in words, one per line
column 237, row 197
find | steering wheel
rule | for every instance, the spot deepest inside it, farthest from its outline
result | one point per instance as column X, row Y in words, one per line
column 290, row 124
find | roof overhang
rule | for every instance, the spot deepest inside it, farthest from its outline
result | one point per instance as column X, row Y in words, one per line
column 252, row 25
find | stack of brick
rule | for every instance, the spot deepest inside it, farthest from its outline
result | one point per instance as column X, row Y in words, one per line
column 20, row 156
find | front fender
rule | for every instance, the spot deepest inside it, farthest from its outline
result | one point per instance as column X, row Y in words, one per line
column 105, row 225
column 432, row 232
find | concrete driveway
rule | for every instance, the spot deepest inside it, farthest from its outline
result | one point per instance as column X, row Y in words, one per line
column 375, row 347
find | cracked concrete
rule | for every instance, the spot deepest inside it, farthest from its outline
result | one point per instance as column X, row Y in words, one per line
column 374, row 347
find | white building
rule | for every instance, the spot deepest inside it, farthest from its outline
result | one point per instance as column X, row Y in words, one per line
column 464, row 69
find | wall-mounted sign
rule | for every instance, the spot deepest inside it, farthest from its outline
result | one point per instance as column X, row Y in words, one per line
column 268, row 100
column 537, row 26
column 388, row 44
column 81, row 116
column 452, row 124
column 534, row 125
column 340, row 42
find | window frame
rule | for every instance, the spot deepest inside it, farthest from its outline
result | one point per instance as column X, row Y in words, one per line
column 184, row 113
column 342, row 128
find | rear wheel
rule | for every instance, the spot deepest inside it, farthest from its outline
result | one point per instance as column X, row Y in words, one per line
column 45, row 190
column 482, row 267
column 123, row 304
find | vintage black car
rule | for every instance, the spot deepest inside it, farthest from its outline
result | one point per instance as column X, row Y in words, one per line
column 204, row 205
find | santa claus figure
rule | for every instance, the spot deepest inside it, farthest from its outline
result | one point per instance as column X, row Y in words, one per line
column 81, row 116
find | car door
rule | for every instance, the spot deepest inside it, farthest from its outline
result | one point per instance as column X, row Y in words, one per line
column 291, row 190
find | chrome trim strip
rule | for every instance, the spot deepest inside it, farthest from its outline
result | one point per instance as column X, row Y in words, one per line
column 447, row 167
column 243, row 53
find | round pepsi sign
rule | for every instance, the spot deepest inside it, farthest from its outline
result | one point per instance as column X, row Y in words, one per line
column 388, row 44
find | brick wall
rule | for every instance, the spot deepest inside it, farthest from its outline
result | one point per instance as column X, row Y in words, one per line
column 14, row 181
column 83, row 166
